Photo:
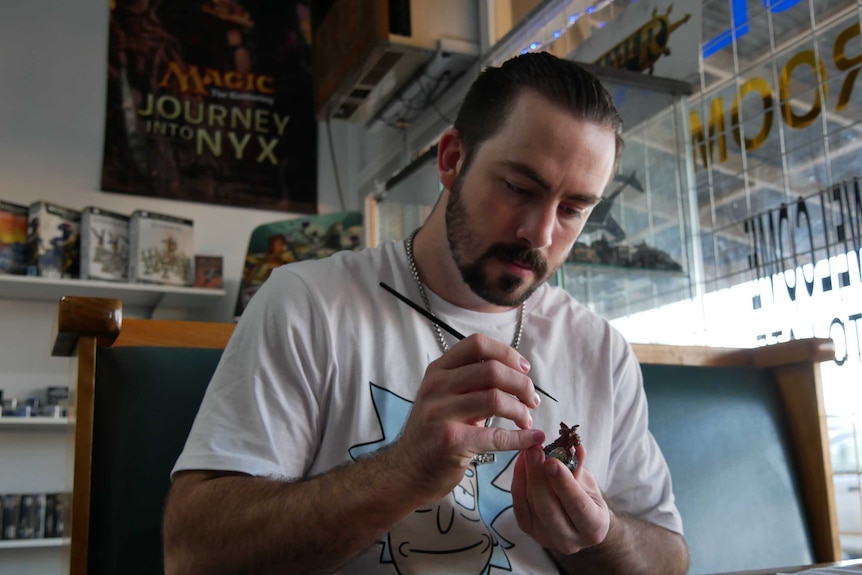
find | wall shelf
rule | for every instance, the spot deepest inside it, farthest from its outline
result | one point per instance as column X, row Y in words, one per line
column 132, row 295
column 33, row 423
column 34, row 543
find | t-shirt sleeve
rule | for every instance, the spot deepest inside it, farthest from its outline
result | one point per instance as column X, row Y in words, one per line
column 639, row 482
column 260, row 412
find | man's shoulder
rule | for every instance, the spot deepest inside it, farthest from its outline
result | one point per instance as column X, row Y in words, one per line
column 559, row 308
column 554, row 301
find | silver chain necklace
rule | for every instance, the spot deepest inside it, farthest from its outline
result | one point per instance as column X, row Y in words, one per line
column 479, row 458
column 408, row 246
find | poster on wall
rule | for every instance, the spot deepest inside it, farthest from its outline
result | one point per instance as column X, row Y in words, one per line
column 211, row 101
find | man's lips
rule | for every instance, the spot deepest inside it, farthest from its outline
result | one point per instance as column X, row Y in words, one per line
column 520, row 268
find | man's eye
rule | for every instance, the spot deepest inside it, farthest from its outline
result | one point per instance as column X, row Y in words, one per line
column 573, row 212
column 518, row 190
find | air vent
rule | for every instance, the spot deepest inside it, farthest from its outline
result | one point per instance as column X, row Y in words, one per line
column 359, row 94
column 384, row 64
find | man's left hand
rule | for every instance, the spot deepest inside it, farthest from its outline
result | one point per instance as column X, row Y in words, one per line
column 560, row 509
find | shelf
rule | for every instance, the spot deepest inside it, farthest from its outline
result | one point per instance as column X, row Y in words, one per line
column 33, row 423
column 34, row 543
column 628, row 270
column 132, row 295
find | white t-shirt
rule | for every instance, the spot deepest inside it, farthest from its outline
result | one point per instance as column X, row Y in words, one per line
column 324, row 365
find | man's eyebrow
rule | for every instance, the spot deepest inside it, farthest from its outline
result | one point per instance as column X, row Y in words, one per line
column 528, row 173
column 531, row 174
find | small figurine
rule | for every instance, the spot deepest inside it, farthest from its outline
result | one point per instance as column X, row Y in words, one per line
column 563, row 448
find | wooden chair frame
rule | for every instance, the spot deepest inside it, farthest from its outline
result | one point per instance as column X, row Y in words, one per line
column 84, row 324
column 87, row 323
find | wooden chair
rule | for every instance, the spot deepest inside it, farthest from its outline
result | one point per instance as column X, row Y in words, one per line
column 744, row 434
column 743, row 431
column 150, row 376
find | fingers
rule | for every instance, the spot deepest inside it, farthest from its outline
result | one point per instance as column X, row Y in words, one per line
column 476, row 379
column 560, row 509
column 478, row 405
column 480, row 362
column 497, row 439
column 580, row 454
column 520, row 497
column 479, row 347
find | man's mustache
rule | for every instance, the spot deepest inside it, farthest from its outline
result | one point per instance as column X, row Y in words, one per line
column 519, row 255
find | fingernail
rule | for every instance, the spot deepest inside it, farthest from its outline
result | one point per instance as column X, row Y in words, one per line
column 525, row 365
column 537, row 399
column 538, row 436
column 553, row 469
column 529, row 420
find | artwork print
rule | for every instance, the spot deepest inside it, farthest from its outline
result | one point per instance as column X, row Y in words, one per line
column 211, row 101
column 279, row 243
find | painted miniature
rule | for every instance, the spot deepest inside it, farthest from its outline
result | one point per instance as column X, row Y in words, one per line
column 563, row 448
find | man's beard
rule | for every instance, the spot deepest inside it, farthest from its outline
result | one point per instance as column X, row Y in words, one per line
column 460, row 237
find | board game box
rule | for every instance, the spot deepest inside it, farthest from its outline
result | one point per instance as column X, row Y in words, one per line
column 14, row 249
column 161, row 249
column 104, row 245
column 52, row 233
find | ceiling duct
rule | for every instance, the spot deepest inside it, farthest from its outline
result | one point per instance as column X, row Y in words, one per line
column 367, row 51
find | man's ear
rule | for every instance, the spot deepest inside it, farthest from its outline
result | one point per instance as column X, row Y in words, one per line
column 450, row 156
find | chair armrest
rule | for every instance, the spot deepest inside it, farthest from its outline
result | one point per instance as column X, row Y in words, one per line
column 813, row 350
column 101, row 318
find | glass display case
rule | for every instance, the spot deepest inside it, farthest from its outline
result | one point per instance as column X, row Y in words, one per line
column 634, row 253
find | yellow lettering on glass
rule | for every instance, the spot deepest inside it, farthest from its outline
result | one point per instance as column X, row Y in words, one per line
column 806, row 57
column 850, row 65
column 843, row 63
column 759, row 86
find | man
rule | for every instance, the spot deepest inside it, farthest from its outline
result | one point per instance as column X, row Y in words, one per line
column 344, row 431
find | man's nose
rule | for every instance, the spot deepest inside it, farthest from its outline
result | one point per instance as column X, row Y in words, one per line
column 537, row 226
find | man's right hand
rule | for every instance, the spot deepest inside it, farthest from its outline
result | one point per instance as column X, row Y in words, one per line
column 476, row 379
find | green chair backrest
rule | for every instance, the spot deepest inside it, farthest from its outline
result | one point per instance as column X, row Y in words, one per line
column 724, row 434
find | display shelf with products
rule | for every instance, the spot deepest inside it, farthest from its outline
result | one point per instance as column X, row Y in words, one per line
column 132, row 295
column 623, row 270
column 34, row 543
column 33, row 423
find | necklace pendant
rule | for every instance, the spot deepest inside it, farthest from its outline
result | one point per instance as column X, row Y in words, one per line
column 481, row 458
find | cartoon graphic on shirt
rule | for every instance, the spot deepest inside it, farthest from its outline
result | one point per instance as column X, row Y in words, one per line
column 456, row 533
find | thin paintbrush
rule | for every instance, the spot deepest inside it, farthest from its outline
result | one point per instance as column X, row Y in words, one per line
column 442, row 325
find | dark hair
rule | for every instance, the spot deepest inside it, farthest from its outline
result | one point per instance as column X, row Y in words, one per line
column 562, row 82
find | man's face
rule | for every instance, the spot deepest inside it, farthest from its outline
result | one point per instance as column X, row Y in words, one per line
column 514, row 214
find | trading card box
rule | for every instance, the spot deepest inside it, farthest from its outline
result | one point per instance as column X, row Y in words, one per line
column 11, row 515
column 104, row 245
column 14, row 249
column 208, row 272
column 54, row 241
column 161, row 249
column 31, row 522
column 56, row 514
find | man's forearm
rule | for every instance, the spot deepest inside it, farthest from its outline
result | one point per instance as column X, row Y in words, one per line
column 241, row 524
column 632, row 547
